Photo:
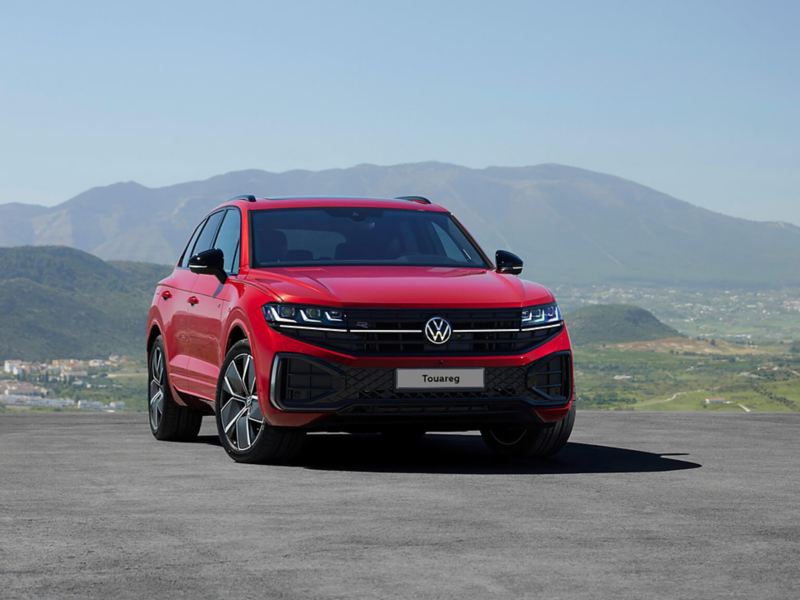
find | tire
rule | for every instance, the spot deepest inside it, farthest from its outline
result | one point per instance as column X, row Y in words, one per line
column 243, row 431
column 169, row 420
column 537, row 442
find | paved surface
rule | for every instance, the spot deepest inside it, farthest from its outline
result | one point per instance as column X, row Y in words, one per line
column 639, row 506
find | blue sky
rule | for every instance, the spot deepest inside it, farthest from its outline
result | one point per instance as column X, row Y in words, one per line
column 697, row 99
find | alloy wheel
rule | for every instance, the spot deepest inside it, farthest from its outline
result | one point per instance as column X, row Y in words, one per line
column 157, row 384
column 240, row 414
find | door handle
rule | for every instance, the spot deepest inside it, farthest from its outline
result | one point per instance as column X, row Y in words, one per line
column 193, row 300
column 166, row 294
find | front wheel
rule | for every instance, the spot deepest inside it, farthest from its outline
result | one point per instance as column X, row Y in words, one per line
column 243, row 431
column 542, row 441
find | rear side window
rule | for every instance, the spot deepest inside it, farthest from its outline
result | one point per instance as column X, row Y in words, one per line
column 228, row 240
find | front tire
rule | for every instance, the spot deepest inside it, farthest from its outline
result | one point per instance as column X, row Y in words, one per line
column 243, row 431
column 539, row 442
column 168, row 420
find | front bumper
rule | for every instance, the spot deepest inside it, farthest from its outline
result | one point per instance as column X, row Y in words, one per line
column 353, row 397
column 464, row 412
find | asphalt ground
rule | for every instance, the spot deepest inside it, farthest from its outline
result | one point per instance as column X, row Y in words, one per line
column 638, row 505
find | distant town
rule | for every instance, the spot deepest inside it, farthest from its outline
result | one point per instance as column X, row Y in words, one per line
column 62, row 383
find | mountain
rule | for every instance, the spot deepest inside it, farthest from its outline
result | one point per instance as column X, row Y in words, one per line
column 614, row 324
column 58, row 302
column 569, row 225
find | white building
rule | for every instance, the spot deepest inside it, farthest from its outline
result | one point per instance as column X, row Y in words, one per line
column 12, row 366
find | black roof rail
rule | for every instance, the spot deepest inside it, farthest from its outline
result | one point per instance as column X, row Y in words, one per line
column 248, row 197
column 418, row 199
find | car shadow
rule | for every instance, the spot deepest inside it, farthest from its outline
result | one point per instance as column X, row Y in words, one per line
column 211, row 440
column 467, row 454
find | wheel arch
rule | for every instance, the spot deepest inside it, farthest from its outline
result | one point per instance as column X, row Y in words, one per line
column 152, row 334
column 236, row 334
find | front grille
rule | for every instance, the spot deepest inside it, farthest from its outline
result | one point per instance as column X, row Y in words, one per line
column 305, row 383
column 400, row 333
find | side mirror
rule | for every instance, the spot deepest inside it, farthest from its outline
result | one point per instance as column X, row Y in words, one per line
column 209, row 262
column 508, row 262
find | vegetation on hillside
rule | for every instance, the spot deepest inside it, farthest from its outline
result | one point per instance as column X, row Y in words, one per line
column 705, row 377
column 615, row 323
column 58, row 302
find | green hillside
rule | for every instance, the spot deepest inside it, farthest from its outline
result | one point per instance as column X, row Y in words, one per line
column 615, row 323
column 58, row 302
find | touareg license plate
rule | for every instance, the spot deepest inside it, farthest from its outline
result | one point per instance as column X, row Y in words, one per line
column 439, row 379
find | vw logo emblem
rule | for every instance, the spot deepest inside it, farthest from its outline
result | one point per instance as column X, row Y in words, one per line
column 438, row 330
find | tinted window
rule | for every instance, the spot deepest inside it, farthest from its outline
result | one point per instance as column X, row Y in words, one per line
column 187, row 252
column 228, row 239
column 205, row 240
column 336, row 235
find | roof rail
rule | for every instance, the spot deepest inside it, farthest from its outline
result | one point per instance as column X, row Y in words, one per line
column 418, row 199
column 248, row 197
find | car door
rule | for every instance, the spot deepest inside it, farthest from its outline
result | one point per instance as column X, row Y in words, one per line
column 210, row 298
column 172, row 297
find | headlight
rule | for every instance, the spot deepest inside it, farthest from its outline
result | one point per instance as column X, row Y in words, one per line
column 302, row 315
column 538, row 316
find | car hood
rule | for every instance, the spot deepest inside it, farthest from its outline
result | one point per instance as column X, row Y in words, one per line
column 398, row 286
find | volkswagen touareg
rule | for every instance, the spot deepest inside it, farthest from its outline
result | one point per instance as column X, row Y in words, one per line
column 285, row 316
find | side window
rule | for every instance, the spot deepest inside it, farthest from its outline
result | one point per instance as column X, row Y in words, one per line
column 205, row 241
column 228, row 239
column 187, row 252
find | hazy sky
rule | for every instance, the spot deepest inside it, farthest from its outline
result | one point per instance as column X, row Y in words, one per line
column 697, row 99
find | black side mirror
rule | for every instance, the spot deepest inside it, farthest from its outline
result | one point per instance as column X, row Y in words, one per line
column 209, row 262
column 508, row 262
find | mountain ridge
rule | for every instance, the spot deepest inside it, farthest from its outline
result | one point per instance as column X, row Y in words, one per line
column 239, row 172
column 570, row 224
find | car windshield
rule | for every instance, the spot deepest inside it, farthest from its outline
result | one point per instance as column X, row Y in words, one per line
column 359, row 236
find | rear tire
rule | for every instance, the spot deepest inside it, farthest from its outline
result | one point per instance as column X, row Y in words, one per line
column 537, row 442
column 243, row 431
column 169, row 421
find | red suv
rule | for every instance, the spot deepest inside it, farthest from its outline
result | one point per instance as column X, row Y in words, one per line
column 292, row 315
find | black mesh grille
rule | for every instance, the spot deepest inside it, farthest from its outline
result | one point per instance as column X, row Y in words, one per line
column 551, row 377
column 391, row 342
column 305, row 383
